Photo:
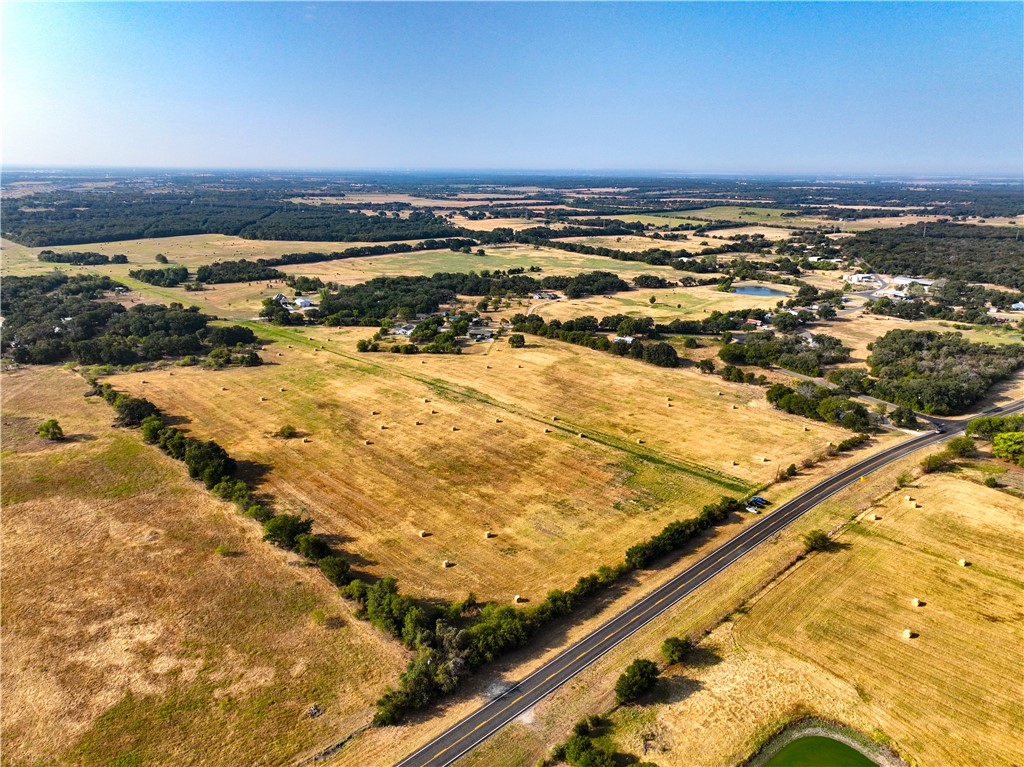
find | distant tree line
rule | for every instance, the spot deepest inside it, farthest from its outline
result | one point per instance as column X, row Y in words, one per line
column 583, row 332
column 801, row 354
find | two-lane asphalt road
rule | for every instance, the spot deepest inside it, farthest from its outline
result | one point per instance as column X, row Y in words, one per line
column 488, row 719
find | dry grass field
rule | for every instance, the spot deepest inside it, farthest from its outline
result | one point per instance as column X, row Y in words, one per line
column 654, row 219
column 672, row 303
column 128, row 639
column 751, row 214
column 639, row 243
column 768, row 232
column 490, row 224
column 560, row 505
column 825, row 638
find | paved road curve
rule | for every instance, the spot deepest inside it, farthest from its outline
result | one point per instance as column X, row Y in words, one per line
column 491, row 717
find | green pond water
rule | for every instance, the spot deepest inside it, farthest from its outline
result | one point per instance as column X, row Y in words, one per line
column 818, row 751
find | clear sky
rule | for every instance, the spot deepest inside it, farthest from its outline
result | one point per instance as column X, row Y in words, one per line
column 914, row 88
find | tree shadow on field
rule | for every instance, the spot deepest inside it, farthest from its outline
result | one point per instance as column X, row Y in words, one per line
column 702, row 657
column 337, row 543
column 176, row 420
column 675, row 689
column 252, row 472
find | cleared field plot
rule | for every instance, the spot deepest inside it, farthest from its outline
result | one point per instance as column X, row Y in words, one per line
column 490, row 224
column 768, row 232
column 191, row 251
column 127, row 637
column 460, row 445
column 754, row 215
column 638, row 243
column 672, row 303
column 653, row 219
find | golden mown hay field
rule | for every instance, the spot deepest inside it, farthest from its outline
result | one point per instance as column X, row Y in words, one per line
column 671, row 303
column 560, row 505
column 490, row 224
column 826, row 638
column 145, row 622
column 636, row 243
column 768, row 232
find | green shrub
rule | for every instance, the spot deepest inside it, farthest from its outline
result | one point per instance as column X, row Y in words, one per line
column 817, row 540
column 50, row 429
column 675, row 649
column 638, row 678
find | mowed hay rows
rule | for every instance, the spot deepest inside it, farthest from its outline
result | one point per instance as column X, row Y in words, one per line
column 846, row 613
column 125, row 631
column 562, row 506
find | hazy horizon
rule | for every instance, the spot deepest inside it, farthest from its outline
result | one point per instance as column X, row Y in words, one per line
column 921, row 90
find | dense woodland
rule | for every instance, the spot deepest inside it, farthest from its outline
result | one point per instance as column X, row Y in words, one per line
column 938, row 373
column 993, row 254
column 53, row 318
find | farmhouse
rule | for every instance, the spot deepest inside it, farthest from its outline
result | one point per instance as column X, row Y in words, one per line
column 894, row 294
column 405, row 330
column 755, row 323
column 624, row 339
column 542, row 295
column 303, row 303
column 1018, row 306
column 281, row 298
column 480, row 334
column 858, row 279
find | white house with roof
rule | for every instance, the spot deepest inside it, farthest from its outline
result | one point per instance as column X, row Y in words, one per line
column 624, row 339
column 1018, row 306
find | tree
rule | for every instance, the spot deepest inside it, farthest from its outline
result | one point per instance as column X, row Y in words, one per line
column 311, row 546
column 161, row 258
column 283, row 529
column 335, row 569
column 903, row 415
column 706, row 366
column 675, row 649
column 962, row 447
column 653, row 300
column 935, row 462
column 637, row 679
column 51, row 430
column 287, row 432
column 517, row 340
column 816, row 540
column 1009, row 446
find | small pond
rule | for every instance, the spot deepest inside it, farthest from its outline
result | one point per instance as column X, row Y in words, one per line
column 818, row 751
column 758, row 290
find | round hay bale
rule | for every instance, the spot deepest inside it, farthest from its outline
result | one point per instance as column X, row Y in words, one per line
column 144, row 381
column 907, row 633
column 311, row 338
column 907, row 498
column 915, row 602
column 497, row 420
column 516, row 599
column 669, row 404
column 488, row 367
column 374, row 412
column 734, row 463
column 280, row 354
column 223, row 388
column 807, row 428
column 426, row 400
column 282, row 389
column 455, row 428
column 263, row 399
column 488, row 534
column 306, row 439
column 423, row 533
column 639, row 442
column 419, row 423
column 519, row 366
column 433, row 412
column 383, row 427
column 734, row 407
column 719, row 394
column 582, row 435
column 367, row 442
column 963, row 562
column 445, row 563
column 547, row 430
column 871, row 517
column 554, row 418
column 423, row 362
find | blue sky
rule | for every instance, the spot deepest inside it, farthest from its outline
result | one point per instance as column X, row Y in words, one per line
column 913, row 88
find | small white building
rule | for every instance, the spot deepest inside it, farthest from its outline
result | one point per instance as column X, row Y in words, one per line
column 1018, row 306
column 912, row 280
column 543, row 295
column 303, row 303
column 624, row 339
column 405, row 330
column 860, row 279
